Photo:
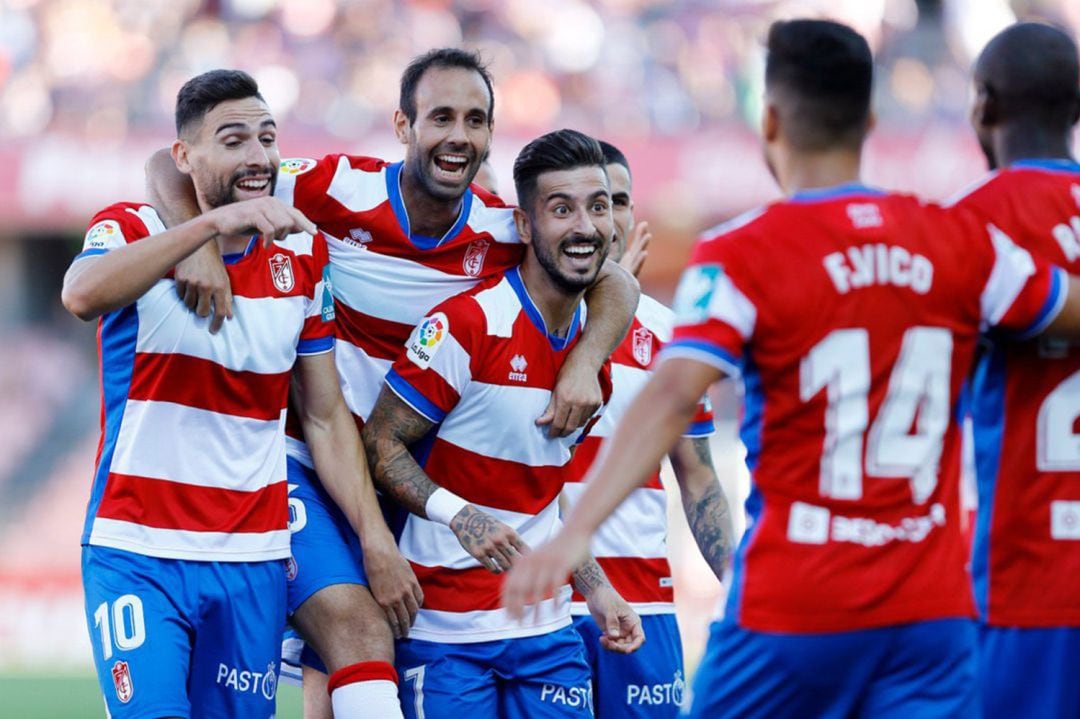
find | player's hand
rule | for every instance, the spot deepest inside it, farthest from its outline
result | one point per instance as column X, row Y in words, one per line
column 637, row 248
column 619, row 623
column 203, row 285
column 267, row 216
column 492, row 543
column 539, row 573
column 574, row 401
column 393, row 584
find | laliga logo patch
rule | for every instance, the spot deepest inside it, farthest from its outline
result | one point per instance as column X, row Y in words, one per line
column 474, row 257
column 281, row 272
column 297, row 165
column 121, row 676
column 103, row 234
column 643, row 346
column 695, row 293
column 427, row 339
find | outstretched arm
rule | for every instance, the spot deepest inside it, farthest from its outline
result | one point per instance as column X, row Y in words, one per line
column 342, row 468
column 391, row 429
column 703, row 500
column 611, row 303
column 650, row 428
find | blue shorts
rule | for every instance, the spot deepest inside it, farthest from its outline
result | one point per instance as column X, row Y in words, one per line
column 179, row 638
column 925, row 670
column 1031, row 673
column 649, row 682
column 540, row 677
column 325, row 549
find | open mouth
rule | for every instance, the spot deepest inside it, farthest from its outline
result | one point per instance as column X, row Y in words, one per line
column 581, row 253
column 451, row 167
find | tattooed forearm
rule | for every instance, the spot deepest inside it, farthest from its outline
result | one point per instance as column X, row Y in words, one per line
column 589, row 576
column 709, row 518
column 392, row 427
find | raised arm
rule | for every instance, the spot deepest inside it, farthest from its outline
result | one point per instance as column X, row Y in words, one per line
column 611, row 303
column 704, row 502
column 389, row 432
column 201, row 279
column 343, row 470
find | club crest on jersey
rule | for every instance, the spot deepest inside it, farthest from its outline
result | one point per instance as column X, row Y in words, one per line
column 291, row 569
column 281, row 272
column 297, row 165
column 642, row 346
column 475, row 253
column 695, row 292
column 103, row 234
column 427, row 339
column 518, row 363
column 121, row 676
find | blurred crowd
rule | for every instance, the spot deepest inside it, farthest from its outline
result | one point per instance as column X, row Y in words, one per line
column 106, row 69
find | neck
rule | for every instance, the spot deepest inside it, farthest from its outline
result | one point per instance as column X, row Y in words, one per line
column 556, row 305
column 227, row 245
column 812, row 171
column 1015, row 143
column 428, row 216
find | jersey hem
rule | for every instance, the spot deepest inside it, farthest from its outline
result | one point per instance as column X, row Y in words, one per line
column 491, row 635
column 1028, row 619
column 809, row 624
column 581, row 609
column 126, row 545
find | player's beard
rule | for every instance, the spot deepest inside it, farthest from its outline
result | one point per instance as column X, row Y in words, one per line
column 224, row 193
column 569, row 283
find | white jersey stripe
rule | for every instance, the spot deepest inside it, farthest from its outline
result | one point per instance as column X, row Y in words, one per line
column 492, row 624
column 183, row 544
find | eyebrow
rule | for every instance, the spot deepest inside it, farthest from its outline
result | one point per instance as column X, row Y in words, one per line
column 233, row 126
column 450, row 110
column 567, row 196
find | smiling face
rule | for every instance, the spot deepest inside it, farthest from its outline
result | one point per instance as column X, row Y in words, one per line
column 569, row 225
column 622, row 208
column 232, row 155
column 451, row 133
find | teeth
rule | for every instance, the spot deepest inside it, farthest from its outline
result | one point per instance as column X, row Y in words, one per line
column 252, row 184
column 579, row 250
column 452, row 159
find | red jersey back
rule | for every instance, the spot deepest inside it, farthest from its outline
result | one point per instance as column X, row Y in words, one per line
column 1025, row 409
column 852, row 317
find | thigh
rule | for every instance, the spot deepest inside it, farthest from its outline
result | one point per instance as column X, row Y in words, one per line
column 1029, row 672
column 545, row 676
column 648, row 683
column 140, row 630
column 749, row 674
column 238, row 641
column 929, row 671
column 446, row 680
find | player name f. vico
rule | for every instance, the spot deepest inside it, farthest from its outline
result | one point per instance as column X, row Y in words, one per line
column 879, row 264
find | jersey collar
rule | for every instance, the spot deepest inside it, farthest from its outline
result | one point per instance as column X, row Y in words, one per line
column 233, row 257
column 1058, row 164
column 422, row 242
column 513, row 276
column 822, row 194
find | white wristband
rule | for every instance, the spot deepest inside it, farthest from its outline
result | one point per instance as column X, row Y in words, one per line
column 443, row 505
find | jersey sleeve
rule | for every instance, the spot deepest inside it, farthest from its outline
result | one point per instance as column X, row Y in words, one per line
column 113, row 227
column 1023, row 293
column 304, row 182
column 435, row 367
column 714, row 317
column 703, row 423
column 317, row 335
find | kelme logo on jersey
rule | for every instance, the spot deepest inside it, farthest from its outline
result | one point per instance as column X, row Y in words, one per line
column 475, row 253
column 103, row 234
column 642, row 346
column 297, row 165
column 427, row 339
column 695, row 293
column 121, row 676
column 281, row 272
column 327, row 295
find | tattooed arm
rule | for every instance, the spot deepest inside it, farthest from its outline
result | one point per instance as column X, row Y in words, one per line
column 390, row 430
column 706, row 507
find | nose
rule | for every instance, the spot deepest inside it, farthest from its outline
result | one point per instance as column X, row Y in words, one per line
column 256, row 155
column 458, row 134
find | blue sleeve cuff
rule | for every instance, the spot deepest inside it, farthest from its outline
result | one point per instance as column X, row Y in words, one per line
column 704, row 352
column 412, row 397
column 90, row 253
column 316, row 346
column 1055, row 301
column 705, row 428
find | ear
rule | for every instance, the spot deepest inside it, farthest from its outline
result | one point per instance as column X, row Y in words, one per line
column 401, row 126
column 524, row 228
column 180, row 156
column 985, row 111
column 770, row 123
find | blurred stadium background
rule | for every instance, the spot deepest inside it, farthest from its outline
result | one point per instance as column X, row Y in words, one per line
column 86, row 93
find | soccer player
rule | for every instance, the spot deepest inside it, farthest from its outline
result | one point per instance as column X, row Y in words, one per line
column 187, row 529
column 631, row 546
column 1026, row 396
column 851, row 315
column 461, row 398
column 632, row 238
column 403, row 237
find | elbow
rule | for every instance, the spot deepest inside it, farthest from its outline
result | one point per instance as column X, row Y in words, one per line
column 78, row 302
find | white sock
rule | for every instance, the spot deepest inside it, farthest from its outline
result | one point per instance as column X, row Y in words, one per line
column 367, row 690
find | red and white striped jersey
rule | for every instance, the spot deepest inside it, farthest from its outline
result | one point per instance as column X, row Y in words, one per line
column 385, row 277
column 852, row 317
column 482, row 366
column 631, row 545
column 191, row 463
column 1025, row 408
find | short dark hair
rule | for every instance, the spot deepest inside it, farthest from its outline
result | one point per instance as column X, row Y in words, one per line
column 559, row 150
column 823, row 72
column 203, row 93
column 614, row 156
column 446, row 57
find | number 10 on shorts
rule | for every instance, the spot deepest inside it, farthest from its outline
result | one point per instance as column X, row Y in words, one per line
column 128, row 627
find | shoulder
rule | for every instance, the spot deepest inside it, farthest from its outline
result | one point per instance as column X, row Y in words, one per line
column 489, row 215
column 127, row 220
column 655, row 316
